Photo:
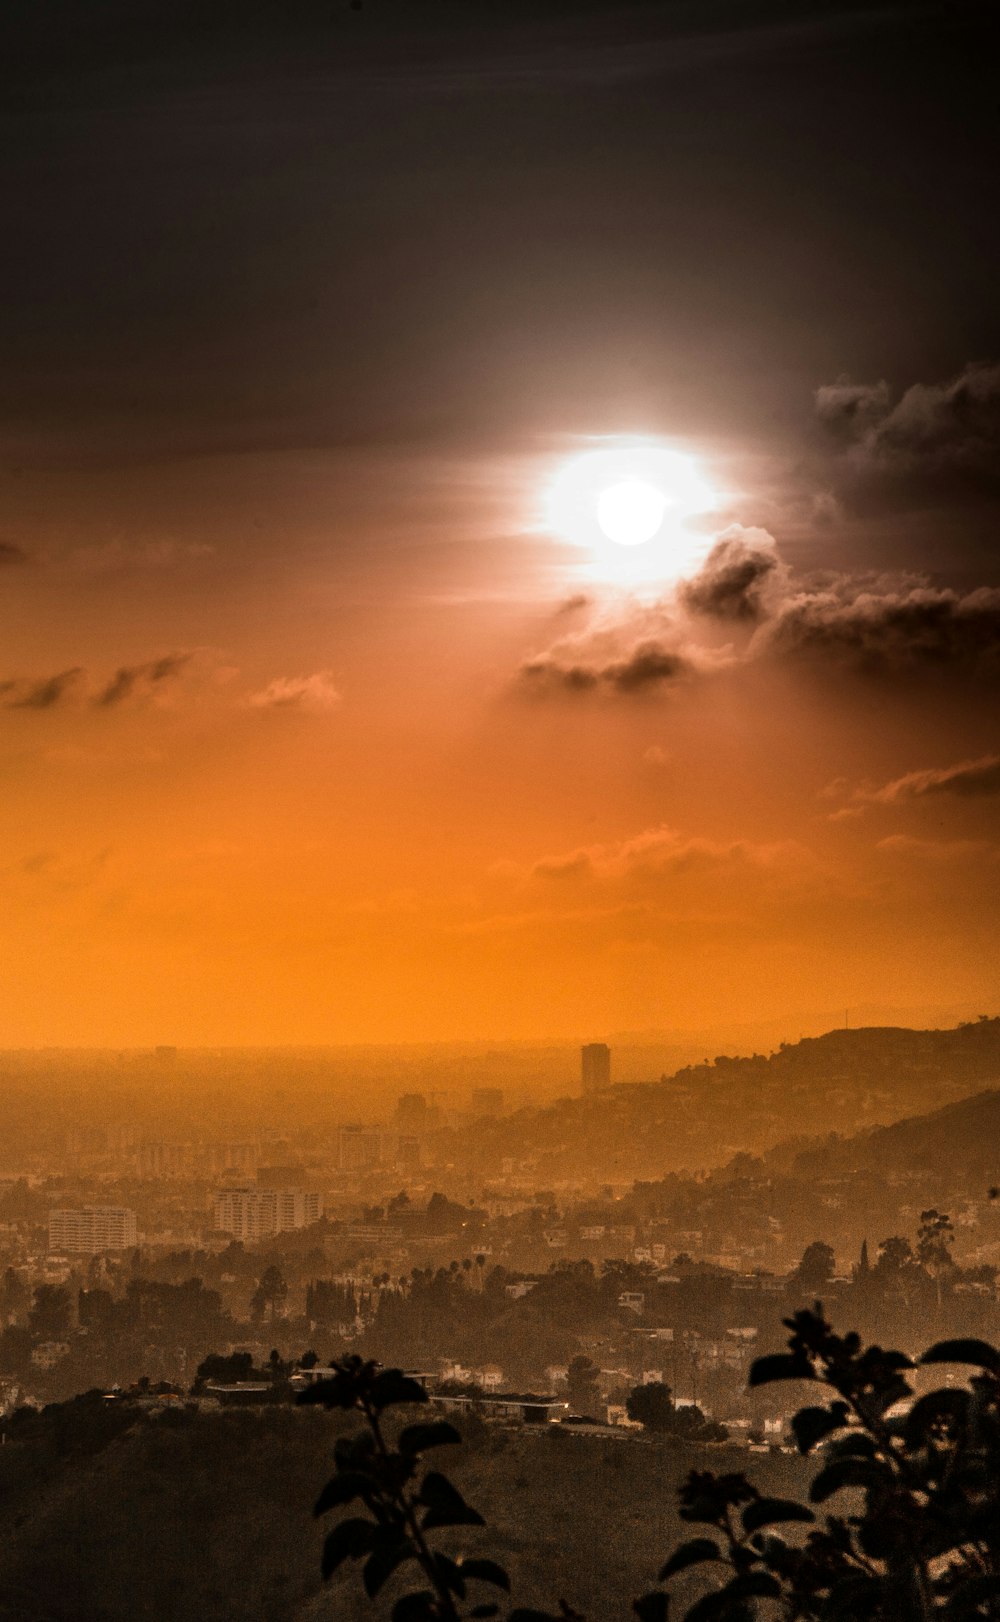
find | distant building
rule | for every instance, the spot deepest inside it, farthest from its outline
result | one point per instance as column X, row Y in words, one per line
column 239, row 1157
column 412, row 1112
column 359, row 1148
column 93, row 1229
column 260, row 1213
column 595, row 1067
column 165, row 1160
column 487, row 1101
column 279, row 1176
column 407, row 1157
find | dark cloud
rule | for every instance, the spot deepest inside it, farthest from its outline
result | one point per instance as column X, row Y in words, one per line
column 740, row 573
column 970, row 779
column 39, row 695
column 888, row 631
column 647, row 665
column 935, row 431
column 10, row 553
column 887, row 627
column 130, row 679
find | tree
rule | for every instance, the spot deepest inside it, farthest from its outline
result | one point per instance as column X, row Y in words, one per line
column 652, row 1405
column 269, row 1295
column 815, row 1270
column 51, row 1310
column 14, row 1295
column 581, row 1379
column 935, row 1236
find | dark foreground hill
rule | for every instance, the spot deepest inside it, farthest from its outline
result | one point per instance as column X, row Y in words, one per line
column 703, row 1114
column 209, row 1515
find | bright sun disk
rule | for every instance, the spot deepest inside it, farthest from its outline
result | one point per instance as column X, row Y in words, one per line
column 628, row 504
column 631, row 511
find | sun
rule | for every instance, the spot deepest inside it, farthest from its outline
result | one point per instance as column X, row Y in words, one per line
column 631, row 511
column 629, row 506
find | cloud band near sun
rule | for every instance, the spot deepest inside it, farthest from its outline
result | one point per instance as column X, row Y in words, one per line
column 745, row 591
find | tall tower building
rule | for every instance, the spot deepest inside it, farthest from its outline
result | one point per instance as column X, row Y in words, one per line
column 595, row 1067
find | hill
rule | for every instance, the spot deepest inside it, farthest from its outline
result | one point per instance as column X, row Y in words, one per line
column 960, row 1141
column 704, row 1114
column 198, row 1515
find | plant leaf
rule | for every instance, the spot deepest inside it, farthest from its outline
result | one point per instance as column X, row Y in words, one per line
column 486, row 1571
column 780, row 1366
column 653, row 1607
column 849, row 1472
column 392, row 1387
column 811, row 1426
column 349, row 1539
column 433, row 1433
column 342, row 1488
column 772, row 1511
column 444, row 1504
column 692, row 1553
column 978, row 1352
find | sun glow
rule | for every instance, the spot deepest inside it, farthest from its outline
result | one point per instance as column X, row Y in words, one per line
column 630, row 506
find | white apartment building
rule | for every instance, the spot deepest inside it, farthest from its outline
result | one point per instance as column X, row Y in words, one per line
column 93, row 1229
column 259, row 1213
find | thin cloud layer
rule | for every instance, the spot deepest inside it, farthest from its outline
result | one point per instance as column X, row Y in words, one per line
column 970, row 779
column 663, row 850
column 129, row 683
column 316, row 693
column 40, row 695
column 132, row 680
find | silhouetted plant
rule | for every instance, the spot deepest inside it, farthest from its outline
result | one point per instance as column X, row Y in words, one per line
column 926, row 1541
column 404, row 1501
column 923, row 1545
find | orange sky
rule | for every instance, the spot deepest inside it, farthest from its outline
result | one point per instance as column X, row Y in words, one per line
column 309, row 729
column 347, row 816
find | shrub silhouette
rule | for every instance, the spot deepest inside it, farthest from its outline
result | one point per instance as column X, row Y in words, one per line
column 918, row 1541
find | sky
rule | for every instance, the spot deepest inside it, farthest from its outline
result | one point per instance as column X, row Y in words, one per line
column 323, row 716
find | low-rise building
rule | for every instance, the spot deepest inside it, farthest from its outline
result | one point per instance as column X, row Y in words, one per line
column 259, row 1213
column 91, row 1230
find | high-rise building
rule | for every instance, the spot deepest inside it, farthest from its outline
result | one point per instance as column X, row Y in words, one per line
column 359, row 1147
column 259, row 1213
column 411, row 1112
column 94, row 1229
column 595, row 1067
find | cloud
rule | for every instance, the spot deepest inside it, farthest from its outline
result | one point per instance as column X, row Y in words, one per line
column 11, row 554
column 315, row 693
column 663, row 850
column 645, row 666
column 940, row 852
column 970, row 779
column 889, row 630
column 39, row 695
column 114, row 557
column 130, row 680
column 742, row 571
column 932, row 430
